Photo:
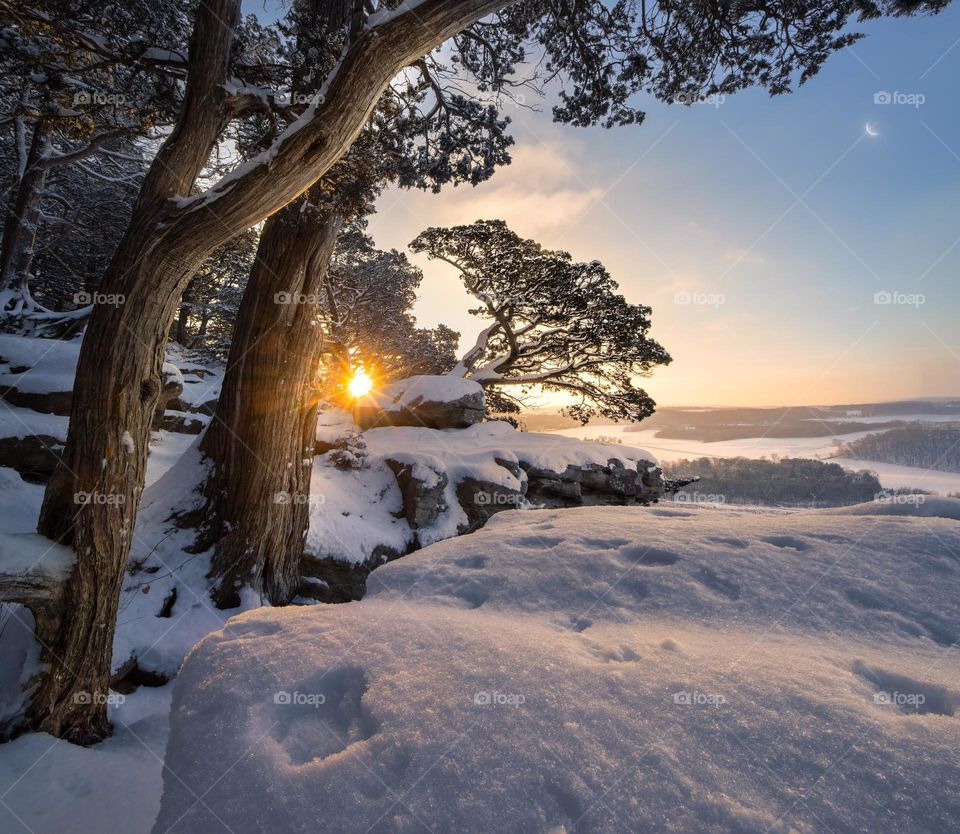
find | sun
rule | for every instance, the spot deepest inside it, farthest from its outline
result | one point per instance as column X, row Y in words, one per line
column 360, row 384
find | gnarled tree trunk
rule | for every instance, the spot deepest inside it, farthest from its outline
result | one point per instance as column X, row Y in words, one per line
column 118, row 376
column 20, row 226
column 91, row 501
column 261, row 441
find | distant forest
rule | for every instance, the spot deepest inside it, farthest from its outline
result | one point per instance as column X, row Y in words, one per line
column 778, row 482
column 925, row 445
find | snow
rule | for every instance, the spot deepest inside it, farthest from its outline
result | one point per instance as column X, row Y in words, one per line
column 24, row 422
column 50, row 786
column 424, row 388
column 31, row 553
column 604, row 669
column 917, row 506
column 127, row 442
column 52, row 363
column 171, row 374
column 353, row 512
column 891, row 476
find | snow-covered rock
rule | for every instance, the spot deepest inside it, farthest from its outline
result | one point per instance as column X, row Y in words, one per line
column 601, row 669
column 433, row 402
column 419, row 486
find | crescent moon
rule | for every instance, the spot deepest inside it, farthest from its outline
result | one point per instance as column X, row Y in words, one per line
column 871, row 130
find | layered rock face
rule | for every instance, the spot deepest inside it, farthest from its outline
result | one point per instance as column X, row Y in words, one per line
column 428, row 484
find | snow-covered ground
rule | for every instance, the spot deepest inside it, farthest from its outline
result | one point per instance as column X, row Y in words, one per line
column 671, row 669
column 789, row 630
column 890, row 475
column 601, row 669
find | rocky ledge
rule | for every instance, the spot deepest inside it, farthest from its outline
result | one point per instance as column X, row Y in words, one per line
column 432, row 484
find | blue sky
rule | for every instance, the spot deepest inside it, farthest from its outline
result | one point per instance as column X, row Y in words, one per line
column 777, row 219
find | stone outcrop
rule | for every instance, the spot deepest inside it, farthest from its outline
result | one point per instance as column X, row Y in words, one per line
column 421, row 489
column 34, row 456
column 595, row 483
column 432, row 402
column 457, row 483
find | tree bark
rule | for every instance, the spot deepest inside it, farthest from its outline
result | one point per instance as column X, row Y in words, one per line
column 118, row 374
column 91, row 501
column 23, row 217
column 261, row 441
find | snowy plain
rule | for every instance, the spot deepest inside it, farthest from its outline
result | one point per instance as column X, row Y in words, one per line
column 601, row 669
column 891, row 476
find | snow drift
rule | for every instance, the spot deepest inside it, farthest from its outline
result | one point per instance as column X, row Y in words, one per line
column 600, row 669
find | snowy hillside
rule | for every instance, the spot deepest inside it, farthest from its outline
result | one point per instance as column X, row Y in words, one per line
column 600, row 669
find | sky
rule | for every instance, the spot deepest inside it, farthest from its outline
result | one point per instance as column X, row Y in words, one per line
column 759, row 229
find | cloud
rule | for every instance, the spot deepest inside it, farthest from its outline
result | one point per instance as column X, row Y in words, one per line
column 528, row 212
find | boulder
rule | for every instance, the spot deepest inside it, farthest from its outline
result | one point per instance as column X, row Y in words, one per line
column 326, row 579
column 34, row 456
column 433, row 402
column 45, row 402
column 481, row 500
column 421, row 488
column 594, row 483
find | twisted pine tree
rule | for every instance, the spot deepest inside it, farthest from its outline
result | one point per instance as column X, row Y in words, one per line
column 554, row 323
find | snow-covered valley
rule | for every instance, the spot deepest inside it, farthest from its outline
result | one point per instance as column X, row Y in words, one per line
column 891, row 476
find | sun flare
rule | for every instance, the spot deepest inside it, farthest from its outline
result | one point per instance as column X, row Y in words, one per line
column 360, row 384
